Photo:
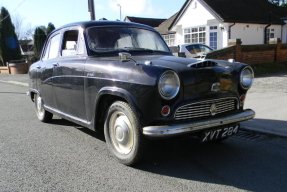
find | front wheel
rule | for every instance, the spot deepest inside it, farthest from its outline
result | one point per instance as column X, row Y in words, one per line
column 122, row 133
column 42, row 114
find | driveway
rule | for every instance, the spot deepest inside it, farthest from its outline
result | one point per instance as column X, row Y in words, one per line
column 268, row 97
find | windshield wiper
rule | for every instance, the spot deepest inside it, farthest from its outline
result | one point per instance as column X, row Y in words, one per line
column 127, row 49
column 137, row 49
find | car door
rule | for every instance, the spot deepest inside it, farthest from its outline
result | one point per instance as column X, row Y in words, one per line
column 69, row 75
column 46, row 67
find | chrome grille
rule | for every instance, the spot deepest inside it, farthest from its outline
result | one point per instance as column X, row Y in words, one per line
column 206, row 108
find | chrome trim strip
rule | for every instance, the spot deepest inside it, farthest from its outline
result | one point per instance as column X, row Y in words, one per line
column 177, row 129
column 66, row 115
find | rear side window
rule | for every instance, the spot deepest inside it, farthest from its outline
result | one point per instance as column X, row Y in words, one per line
column 70, row 43
column 52, row 48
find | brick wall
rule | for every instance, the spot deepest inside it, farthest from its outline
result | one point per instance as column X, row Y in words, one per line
column 252, row 54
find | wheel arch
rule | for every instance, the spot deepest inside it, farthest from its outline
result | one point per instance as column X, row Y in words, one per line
column 32, row 93
column 105, row 98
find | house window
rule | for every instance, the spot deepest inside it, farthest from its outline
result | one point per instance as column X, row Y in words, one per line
column 194, row 35
column 169, row 39
column 213, row 28
column 270, row 33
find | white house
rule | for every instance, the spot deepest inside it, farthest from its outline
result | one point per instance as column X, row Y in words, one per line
column 218, row 22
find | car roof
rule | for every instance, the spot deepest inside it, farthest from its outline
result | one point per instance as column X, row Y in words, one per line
column 87, row 24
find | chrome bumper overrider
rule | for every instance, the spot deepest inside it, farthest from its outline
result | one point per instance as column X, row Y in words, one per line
column 177, row 129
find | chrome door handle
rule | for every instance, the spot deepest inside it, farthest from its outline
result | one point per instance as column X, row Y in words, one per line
column 56, row 64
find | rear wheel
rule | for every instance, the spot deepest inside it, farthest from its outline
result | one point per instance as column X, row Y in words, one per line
column 122, row 133
column 42, row 114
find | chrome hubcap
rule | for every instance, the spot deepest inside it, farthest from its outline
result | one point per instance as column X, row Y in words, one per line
column 121, row 132
column 39, row 106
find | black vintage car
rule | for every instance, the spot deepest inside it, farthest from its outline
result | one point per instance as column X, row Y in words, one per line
column 122, row 77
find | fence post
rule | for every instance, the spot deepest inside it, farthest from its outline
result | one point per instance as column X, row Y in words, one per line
column 278, row 50
column 238, row 53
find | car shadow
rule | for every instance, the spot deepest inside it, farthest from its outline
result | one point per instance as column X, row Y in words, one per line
column 252, row 162
column 98, row 135
column 275, row 127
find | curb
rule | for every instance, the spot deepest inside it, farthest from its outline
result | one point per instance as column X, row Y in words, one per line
column 15, row 83
column 265, row 131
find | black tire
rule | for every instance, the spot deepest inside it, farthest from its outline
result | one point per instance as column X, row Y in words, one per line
column 123, row 133
column 42, row 114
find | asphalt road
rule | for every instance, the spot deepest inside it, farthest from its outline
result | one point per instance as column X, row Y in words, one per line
column 62, row 156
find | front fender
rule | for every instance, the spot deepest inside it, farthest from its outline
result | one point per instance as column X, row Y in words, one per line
column 120, row 93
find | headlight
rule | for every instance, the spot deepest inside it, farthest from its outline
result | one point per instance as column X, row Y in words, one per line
column 169, row 85
column 246, row 77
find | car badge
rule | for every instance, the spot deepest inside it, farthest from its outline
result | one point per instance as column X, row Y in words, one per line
column 213, row 109
column 215, row 87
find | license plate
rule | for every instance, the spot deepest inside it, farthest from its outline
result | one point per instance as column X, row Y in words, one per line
column 219, row 133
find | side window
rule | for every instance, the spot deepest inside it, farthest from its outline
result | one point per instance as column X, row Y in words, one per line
column 52, row 48
column 46, row 53
column 70, row 43
column 204, row 49
column 192, row 49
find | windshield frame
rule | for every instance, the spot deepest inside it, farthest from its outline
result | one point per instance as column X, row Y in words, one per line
column 131, row 50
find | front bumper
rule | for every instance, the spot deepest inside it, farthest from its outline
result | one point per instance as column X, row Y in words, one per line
column 178, row 129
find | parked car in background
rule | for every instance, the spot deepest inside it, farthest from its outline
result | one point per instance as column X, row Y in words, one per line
column 121, row 77
column 194, row 50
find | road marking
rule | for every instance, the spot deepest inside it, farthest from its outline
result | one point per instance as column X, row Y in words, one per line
column 15, row 83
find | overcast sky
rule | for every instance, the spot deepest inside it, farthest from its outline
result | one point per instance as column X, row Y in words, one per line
column 60, row 12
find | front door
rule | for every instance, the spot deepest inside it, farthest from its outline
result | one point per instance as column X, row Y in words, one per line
column 213, row 37
column 69, row 77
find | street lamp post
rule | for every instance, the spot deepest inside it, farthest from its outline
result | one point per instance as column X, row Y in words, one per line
column 92, row 9
column 120, row 11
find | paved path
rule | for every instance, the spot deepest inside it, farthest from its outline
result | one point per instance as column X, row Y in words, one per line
column 268, row 97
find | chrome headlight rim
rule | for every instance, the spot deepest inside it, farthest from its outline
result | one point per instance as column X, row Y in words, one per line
column 243, row 86
column 160, row 85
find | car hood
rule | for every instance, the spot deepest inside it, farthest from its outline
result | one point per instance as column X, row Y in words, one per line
column 178, row 64
column 199, row 77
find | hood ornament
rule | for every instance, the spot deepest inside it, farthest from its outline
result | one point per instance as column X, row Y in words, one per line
column 213, row 109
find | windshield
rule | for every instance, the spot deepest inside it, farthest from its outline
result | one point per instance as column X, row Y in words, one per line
column 117, row 39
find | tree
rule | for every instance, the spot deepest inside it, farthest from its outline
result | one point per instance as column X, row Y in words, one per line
column 50, row 28
column 9, row 44
column 23, row 30
column 39, row 41
column 40, row 35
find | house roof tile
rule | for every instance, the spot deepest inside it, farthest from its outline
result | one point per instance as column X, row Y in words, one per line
column 163, row 28
column 241, row 11
column 153, row 22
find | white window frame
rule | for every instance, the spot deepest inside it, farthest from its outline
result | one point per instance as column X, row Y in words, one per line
column 270, row 33
column 195, row 34
column 169, row 39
